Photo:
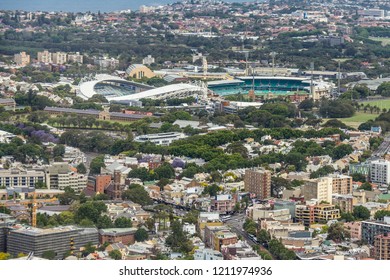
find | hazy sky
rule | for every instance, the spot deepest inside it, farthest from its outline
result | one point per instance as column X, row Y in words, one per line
column 82, row 5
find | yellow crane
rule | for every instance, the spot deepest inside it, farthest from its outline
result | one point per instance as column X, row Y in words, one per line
column 34, row 206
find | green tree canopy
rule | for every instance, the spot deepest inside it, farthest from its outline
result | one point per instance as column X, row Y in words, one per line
column 123, row 222
column 115, row 255
column 141, row 235
column 361, row 213
column 337, row 233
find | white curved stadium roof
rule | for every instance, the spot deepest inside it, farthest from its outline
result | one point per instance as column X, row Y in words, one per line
column 87, row 89
column 175, row 90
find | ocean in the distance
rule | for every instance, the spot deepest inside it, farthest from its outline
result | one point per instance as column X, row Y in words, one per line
column 83, row 5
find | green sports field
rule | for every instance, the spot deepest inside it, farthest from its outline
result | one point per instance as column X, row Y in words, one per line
column 385, row 103
column 385, row 41
column 357, row 119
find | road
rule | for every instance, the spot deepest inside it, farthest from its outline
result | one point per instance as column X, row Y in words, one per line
column 236, row 226
column 383, row 148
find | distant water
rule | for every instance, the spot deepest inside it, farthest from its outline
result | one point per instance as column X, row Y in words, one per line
column 83, row 5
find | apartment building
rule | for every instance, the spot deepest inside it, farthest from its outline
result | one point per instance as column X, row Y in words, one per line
column 117, row 235
column 280, row 229
column 371, row 229
column 22, row 59
column 99, row 183
column 284, row 204
column 207, row 219
column 75, row 58
column 60, row 240
column 44, row 57
column 319, row 189
column 59, row 57
column 344, row 202
column 310, row 214
column 341, row 184
column 256, row 213
column 61, row 175
column 380, row 171
column 258, row 182
column 21, row 178
column 223, row 203
column 354, row 229
column 382, row 247
column 216, row 236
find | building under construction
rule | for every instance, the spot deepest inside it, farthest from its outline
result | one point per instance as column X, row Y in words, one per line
column 61, row 240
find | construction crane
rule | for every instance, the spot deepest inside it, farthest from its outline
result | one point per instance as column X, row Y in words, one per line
column 34, row 206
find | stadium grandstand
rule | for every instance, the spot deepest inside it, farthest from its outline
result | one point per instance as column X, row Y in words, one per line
column 271, row 86
column 118, row 90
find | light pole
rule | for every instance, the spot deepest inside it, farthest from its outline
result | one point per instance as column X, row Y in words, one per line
column 246, row 63
column 339, row 80
column 273, row 54
column 311, row 80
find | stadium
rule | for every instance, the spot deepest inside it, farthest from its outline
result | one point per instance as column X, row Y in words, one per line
column 270, row 85
column 116, row 89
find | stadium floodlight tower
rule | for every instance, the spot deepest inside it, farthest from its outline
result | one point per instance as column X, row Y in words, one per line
column 246, row 62
column 312, row 92
column 273, row 54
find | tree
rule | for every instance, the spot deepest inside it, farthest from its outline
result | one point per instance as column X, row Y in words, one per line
column 101, row 196
column 50, row 255
column 358, row 177
column 4, row 256
column 191, row 217
column 250, row 226
column 4, row 210
column 163, row 182
column 67, row 197
column 81, row 168
column 211, row 190
column 366, row 186
column 379, row 215
column 140, row 173
column 141, row 235
column 215, row 176
column 165, row 171
column 322, row 171
column 337, row 233
column 123, row 222
column 96, row 164
column 347, row 217
column 296, row 159
column 263, row 236
column 89, row 248
column 361, row 213
column 238, row 148
column 384, row 89
column 277, row 249
column 137, row 195
column 341, row 151
column 104, row 222
column 115, row 254
column 178, row 240
column 306, row 104
column 278, row 184
column 59, row 151
column 336, row 109
column 90, row 210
